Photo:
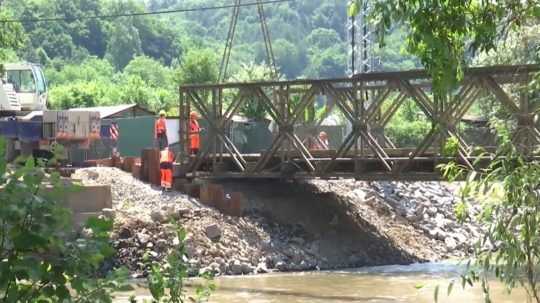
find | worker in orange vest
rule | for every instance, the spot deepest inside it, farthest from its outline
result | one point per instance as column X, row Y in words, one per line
column 194, row 133
column 166, row 168
column 160, row 131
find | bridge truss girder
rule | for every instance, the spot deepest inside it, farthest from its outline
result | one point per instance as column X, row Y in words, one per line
column 367, row 103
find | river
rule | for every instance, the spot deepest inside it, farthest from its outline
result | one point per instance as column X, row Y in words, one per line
column 384, row 284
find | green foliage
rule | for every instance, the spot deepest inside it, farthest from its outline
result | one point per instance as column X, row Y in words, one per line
column 198, row 66
column 451, row 147
column 250, row 73
column 167, row 39
column 289, row 58
column 60, row 72
column 508, row 193
column 327, row 55
column 94, row 82
column 41, row 260
column 167, row 281
column 79, row 94
column 328, row 63
column 125, row 44
column 354, row 7
column 11, row 36
column 441, row 31
column 407, row 128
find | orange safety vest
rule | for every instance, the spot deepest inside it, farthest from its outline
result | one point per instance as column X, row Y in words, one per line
column 161, row 127
column 194, row 137
column 166, row 156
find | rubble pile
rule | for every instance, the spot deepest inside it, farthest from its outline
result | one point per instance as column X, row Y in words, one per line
column 214, row 243
column 417, row 219
column 428, row 206
column 142, row 233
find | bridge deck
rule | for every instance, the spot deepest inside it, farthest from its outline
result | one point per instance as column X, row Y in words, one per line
column 362, row 167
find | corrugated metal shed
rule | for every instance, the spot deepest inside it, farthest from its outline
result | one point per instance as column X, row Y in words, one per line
column 118, row 111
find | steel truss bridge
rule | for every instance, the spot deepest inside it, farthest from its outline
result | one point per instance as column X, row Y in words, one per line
column 365, row 103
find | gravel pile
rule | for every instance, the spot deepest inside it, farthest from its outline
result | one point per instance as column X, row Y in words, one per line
column 428, row 206
column 131, row 197
column 215, row 243
column 379, row 223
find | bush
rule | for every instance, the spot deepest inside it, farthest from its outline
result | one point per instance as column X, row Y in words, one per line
column 41, row 259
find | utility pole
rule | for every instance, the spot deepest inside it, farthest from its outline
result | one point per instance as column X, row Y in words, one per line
column 361, row 36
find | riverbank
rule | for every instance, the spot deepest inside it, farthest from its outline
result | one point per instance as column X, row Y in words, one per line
column 286, row 226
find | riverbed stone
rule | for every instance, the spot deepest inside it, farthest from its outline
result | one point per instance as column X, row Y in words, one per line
column 235, row 267
column 281, row 266
column 213, row 232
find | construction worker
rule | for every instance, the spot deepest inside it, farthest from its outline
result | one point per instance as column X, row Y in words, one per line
column 194, row 133
column 319, row 143
column 160, row 131
column 166, row 168
column 323, row 141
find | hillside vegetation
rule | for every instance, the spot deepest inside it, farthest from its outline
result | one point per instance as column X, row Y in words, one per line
column 142, row 59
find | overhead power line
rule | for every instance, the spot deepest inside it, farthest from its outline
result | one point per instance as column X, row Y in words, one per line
column 114, row 16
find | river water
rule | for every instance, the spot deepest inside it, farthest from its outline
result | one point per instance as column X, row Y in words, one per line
column 385, row 284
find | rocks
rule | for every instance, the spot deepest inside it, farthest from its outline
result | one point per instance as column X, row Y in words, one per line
column 184, row 212
column 108, row 213
column 261, row 268
column 235, row 267
column 143, row 238
column 247, row 268
column 158, row 216
column 415, row 217
column 427, row 206
column 451, row 244
column 281, row 266
column 213, row 232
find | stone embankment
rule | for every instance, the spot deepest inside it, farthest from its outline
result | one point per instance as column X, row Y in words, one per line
column 332, row 224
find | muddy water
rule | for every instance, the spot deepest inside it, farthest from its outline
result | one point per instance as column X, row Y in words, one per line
column 387, row 284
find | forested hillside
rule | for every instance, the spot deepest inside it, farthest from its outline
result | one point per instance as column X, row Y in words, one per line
column 142, row 59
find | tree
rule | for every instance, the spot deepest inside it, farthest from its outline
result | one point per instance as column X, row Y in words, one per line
column 44, row 259
column 60, row 72
column 152, row 72
column 322, row 38
column 330, row 63
column 198, row 66
column 289, row 58
column 77, row 95
column 249, row 73
column 440, row 34
column 125, row 44
column 11, row 36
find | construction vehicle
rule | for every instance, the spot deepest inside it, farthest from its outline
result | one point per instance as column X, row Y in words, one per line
column 23, row 89
column 26, row 124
